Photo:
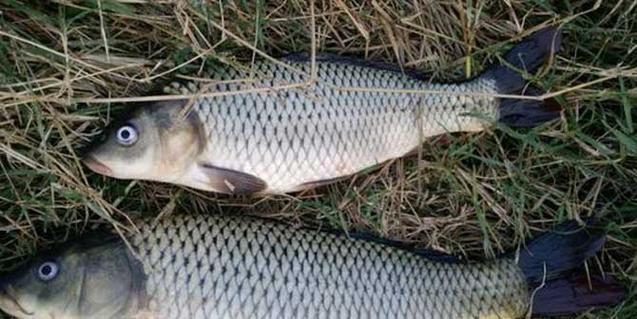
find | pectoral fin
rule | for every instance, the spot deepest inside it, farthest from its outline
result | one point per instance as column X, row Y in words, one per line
column 229, row 181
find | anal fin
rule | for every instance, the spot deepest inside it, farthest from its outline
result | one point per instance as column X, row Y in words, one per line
column 229, row 181
column 319, row 183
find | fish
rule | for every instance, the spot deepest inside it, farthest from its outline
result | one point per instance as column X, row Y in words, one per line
column 258, row 132
column 219, row 266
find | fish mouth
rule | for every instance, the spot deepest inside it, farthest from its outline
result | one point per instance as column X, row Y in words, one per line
column 96, row 166
column 10, row 305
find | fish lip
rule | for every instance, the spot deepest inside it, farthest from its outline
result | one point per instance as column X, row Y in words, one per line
column 96, row 166
column 12, row 306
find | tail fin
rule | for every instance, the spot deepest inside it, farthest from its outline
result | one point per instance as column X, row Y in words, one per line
column 525, row 57
column 546, row 262
column 576, row 293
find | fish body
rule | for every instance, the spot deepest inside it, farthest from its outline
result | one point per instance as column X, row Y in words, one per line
column 292, row 139
column 266, row 132
column 264, row 270
column 221, row 267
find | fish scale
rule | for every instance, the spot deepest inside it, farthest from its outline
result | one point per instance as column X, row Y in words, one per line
column 325, row 131
column 217, row 267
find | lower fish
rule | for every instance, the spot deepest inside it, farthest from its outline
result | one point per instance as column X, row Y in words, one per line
column 265, row 133
column 227, row 267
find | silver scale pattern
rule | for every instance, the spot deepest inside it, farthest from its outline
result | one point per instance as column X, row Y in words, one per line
column 221, row 267
column 289, row 137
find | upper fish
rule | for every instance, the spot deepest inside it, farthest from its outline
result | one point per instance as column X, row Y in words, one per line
column 201, row 267
column 262, row 134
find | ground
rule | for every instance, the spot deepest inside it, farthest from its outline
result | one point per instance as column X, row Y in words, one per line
column 63, row 64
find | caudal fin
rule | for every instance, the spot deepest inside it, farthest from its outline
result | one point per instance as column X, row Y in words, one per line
column 548, row 263
column 525, row 58
column 574, row 293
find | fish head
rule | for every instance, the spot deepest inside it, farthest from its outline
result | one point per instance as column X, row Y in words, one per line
column 79, row 282
column 159, row 141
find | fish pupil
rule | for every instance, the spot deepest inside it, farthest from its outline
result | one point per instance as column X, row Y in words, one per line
column 125, row 134
column 46, row 270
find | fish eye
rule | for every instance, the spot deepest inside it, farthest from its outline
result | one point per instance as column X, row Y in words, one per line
column 126, row 135
column 48, row 270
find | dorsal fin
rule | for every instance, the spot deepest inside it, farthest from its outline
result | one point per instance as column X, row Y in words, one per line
column 430, row 254
column 335, row 58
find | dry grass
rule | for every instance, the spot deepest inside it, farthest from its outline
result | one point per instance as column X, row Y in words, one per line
column 64, row 64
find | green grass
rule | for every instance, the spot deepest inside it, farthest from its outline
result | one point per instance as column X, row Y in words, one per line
column 479, row 194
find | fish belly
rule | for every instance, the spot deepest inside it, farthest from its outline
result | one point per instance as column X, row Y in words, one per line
column 216, row 267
